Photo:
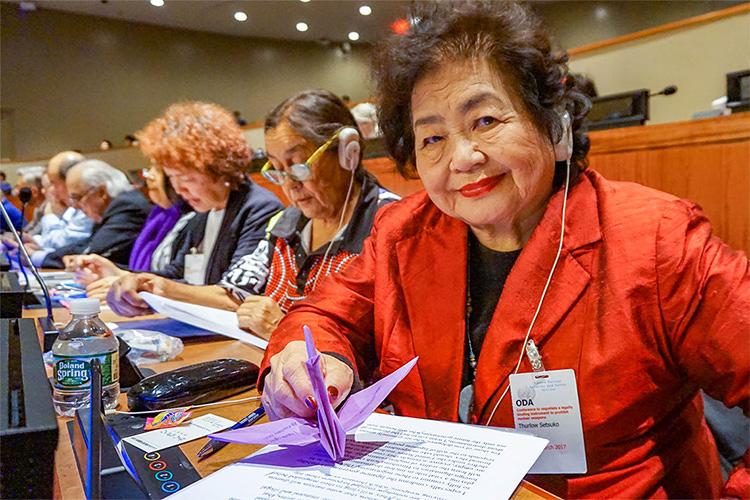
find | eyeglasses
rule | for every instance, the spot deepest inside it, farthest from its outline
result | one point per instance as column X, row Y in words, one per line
column 299, row 172
column 75, row 199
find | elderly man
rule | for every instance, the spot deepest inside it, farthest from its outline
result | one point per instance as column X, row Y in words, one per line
column 104, row 194
column 61, row 224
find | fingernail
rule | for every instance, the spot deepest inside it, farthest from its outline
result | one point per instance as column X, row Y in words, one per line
column 333, row 393
column 310, row 403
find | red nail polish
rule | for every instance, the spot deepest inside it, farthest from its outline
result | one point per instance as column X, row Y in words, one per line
column 310, row 403
column 333, row 393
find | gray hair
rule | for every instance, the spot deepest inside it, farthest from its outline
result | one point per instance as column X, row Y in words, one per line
column 32, row 175
column 95, row 173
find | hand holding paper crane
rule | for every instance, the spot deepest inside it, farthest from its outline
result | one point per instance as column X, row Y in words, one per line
column 329, row 428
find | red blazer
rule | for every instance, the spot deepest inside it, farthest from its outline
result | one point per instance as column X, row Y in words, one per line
column 645, row 305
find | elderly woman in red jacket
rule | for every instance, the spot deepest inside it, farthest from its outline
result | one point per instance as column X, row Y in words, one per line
column 517, row 259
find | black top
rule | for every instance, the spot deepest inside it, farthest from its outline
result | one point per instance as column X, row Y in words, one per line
column 246, row 216
column 488, row 270
column 114, row 236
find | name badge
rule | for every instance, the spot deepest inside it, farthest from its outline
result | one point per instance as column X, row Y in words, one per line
column 195, row 269
column 545, row 404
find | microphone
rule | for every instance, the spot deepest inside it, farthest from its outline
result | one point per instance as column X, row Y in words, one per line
column 47, row 324
column 668, row 90
column 24, row 195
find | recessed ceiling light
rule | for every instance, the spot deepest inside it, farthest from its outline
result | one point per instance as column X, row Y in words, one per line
column 302, row 26
column 304, row 1
column 353, row 36
column 157, row 3
column 240, row 16
column 365, row 10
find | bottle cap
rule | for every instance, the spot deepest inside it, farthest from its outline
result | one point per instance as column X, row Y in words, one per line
column 84, row 306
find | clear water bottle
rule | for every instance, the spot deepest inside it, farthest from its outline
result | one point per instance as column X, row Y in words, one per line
column 86, row 337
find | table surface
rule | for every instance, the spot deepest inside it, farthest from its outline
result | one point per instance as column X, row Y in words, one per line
column 67, row 480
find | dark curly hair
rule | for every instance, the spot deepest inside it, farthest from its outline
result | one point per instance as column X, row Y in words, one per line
column 200, row 136
column 505, row 34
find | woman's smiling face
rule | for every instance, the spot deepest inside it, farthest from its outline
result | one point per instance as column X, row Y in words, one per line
column 480, row 157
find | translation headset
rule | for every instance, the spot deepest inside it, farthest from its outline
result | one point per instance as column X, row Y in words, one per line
column 563, row 152
column 349, row 150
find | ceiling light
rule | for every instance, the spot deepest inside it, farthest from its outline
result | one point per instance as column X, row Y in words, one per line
column 240, row 16
column 365, row 10
column 304, row 1
column 157, row 3
column 353, row 36
column 302, row 26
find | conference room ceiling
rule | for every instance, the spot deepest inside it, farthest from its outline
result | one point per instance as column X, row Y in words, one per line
column 326, row 19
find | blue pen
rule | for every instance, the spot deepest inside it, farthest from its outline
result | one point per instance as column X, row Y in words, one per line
column 215, row 445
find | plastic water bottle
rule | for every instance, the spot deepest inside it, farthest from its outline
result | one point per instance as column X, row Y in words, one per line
column 86, row 337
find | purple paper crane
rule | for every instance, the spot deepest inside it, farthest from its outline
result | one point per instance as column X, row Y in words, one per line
column 329, row 428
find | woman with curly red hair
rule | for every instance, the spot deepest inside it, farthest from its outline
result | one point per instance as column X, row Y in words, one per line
column 203, row 152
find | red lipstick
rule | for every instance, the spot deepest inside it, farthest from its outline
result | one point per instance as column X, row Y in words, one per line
column 480, row 188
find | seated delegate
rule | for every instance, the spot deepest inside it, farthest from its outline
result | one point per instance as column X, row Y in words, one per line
column 163, row 233
column 63, row 224
column 202, row 150
column 514, row 245
column 105, row 195
column 315, row 155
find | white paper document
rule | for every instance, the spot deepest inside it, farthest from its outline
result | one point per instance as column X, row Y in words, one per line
column 387, row 457
column 165, row 438
column 209, row 318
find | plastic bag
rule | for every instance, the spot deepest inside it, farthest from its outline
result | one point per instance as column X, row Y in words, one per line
column 147, row 346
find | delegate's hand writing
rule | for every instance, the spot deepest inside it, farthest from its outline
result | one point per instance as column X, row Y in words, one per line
column 287, row 391
column 260, row 315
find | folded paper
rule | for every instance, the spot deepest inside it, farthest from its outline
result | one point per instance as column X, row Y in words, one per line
column 328, row 427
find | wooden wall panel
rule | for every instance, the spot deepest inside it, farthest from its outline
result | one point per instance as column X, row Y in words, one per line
column 385, row 171
column 705, row 161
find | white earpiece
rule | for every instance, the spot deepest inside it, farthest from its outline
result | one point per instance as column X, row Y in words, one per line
column 564, row 147
column 349, row 149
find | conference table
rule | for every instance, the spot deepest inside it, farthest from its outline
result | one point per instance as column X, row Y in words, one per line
column 68, row 483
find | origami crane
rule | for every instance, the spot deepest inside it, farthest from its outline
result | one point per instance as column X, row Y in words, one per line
column 328, row 427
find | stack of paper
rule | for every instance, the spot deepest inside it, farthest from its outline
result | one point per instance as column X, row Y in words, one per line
column 208, row 318
column 387, row 457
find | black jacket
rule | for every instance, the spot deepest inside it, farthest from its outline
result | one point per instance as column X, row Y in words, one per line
column 248, row 211
column 114, row 236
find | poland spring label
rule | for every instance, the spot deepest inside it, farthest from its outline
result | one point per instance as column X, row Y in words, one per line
column 74, row 372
